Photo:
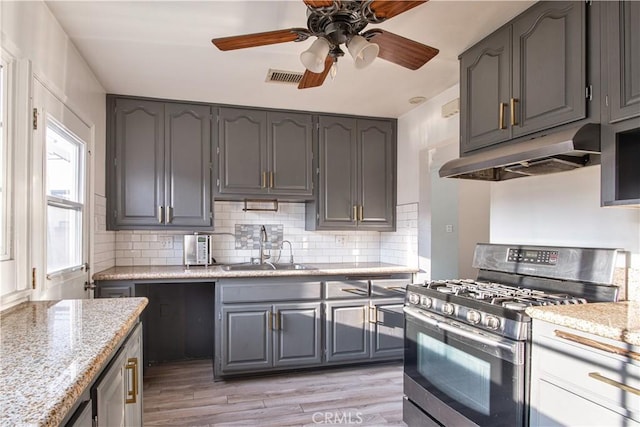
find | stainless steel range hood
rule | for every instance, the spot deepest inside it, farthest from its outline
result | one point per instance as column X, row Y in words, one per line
column 557, row 152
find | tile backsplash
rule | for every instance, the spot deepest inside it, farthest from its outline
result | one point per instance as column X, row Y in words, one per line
column 236, row 238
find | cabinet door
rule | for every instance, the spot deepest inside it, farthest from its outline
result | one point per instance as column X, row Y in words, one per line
column 242, row 140
column 376, row 174
column 133, row 378
column 337, row 193
column 549, row 66
column 297, row 334
column 109, row 395
column 138, row 162
column 559, row 407
column 347, row 331
column 387, row 328
column 290, row 153
column 485, row 79
column 188, row 186
column 246, row 338
column 623, row 43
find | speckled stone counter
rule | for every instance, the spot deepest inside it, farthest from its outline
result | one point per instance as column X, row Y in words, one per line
column 51, row 351
column 615, row 320
column 217, row 272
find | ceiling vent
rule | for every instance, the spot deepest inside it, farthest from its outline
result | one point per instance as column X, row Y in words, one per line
column 279, row 76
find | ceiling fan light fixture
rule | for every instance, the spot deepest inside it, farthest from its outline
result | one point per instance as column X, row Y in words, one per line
column 314, row 57
column 362, row 52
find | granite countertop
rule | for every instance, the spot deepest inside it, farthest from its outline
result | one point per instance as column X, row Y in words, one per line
column 615, row 320
column 51, row 351
column 214, row 272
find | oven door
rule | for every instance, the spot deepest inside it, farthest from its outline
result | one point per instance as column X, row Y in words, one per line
column 462, row 376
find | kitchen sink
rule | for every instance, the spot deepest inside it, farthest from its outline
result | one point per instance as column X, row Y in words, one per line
column 265, row 267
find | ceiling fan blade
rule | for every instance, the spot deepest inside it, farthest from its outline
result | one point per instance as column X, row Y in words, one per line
column 318, row 3
column 389, row 9
column 261, row 39
column 310, row 79
column 400, row 50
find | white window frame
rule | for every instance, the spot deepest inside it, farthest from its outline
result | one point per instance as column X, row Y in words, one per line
column 77, row 206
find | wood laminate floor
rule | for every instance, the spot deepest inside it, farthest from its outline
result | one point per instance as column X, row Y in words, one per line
column 184, row 394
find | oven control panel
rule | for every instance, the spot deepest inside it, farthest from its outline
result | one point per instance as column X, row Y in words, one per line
column 533, row 256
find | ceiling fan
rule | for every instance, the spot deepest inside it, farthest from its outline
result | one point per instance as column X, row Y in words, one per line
column 336, row 22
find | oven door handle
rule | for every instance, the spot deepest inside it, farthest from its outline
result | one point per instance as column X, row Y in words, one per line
column 509, row 346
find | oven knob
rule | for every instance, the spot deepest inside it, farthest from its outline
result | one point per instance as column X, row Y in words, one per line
column 426, row 302
column 492, row 322
column 447, row 308
column 473, row 317
column 414, row 298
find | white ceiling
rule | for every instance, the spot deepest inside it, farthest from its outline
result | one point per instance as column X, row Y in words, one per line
column 163, row 49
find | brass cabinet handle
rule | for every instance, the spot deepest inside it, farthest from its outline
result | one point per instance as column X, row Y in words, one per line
column 270, row 320
column 132, row 365
column 355, row 212
column 616, row 384
column 278, row 320
column 400, row 289
column 264, row 180
column 160, row 216
column 169, row 214
column 361, row 214
column 597, row 345
column 373, row 314
column 501, row 123
column 271, row 179
column 513, row 102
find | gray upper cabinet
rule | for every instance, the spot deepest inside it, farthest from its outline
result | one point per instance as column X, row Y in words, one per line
column 485, row 90
column 623, row 49
column 159, row 170
column 528, row 76
column 356, row 175
column 264, row 153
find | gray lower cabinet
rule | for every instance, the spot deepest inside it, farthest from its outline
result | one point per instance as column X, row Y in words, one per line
column 387, row 328
column 356, row 175
column 267, row 324
column 364, row 318
column 159, row 166
column 347, row 327
column 264, row 154
column 528, row 76
column 260, row 337
column 357, row 330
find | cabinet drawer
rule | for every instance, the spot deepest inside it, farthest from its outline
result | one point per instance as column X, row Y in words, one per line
column 389, row 287
column 268, row 290
column 346, row 289
column 604, row 378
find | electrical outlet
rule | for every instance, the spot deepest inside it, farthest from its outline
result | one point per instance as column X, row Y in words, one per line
column 166, row 242
column 340, row 241
column 448, row 228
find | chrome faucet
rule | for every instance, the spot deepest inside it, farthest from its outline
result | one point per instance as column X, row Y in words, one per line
column 263, row 241
column 290, row 250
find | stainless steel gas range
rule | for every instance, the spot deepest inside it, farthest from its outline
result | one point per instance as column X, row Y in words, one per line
column 467, row 342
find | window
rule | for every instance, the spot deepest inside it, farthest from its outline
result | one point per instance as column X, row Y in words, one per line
column 65, row 165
